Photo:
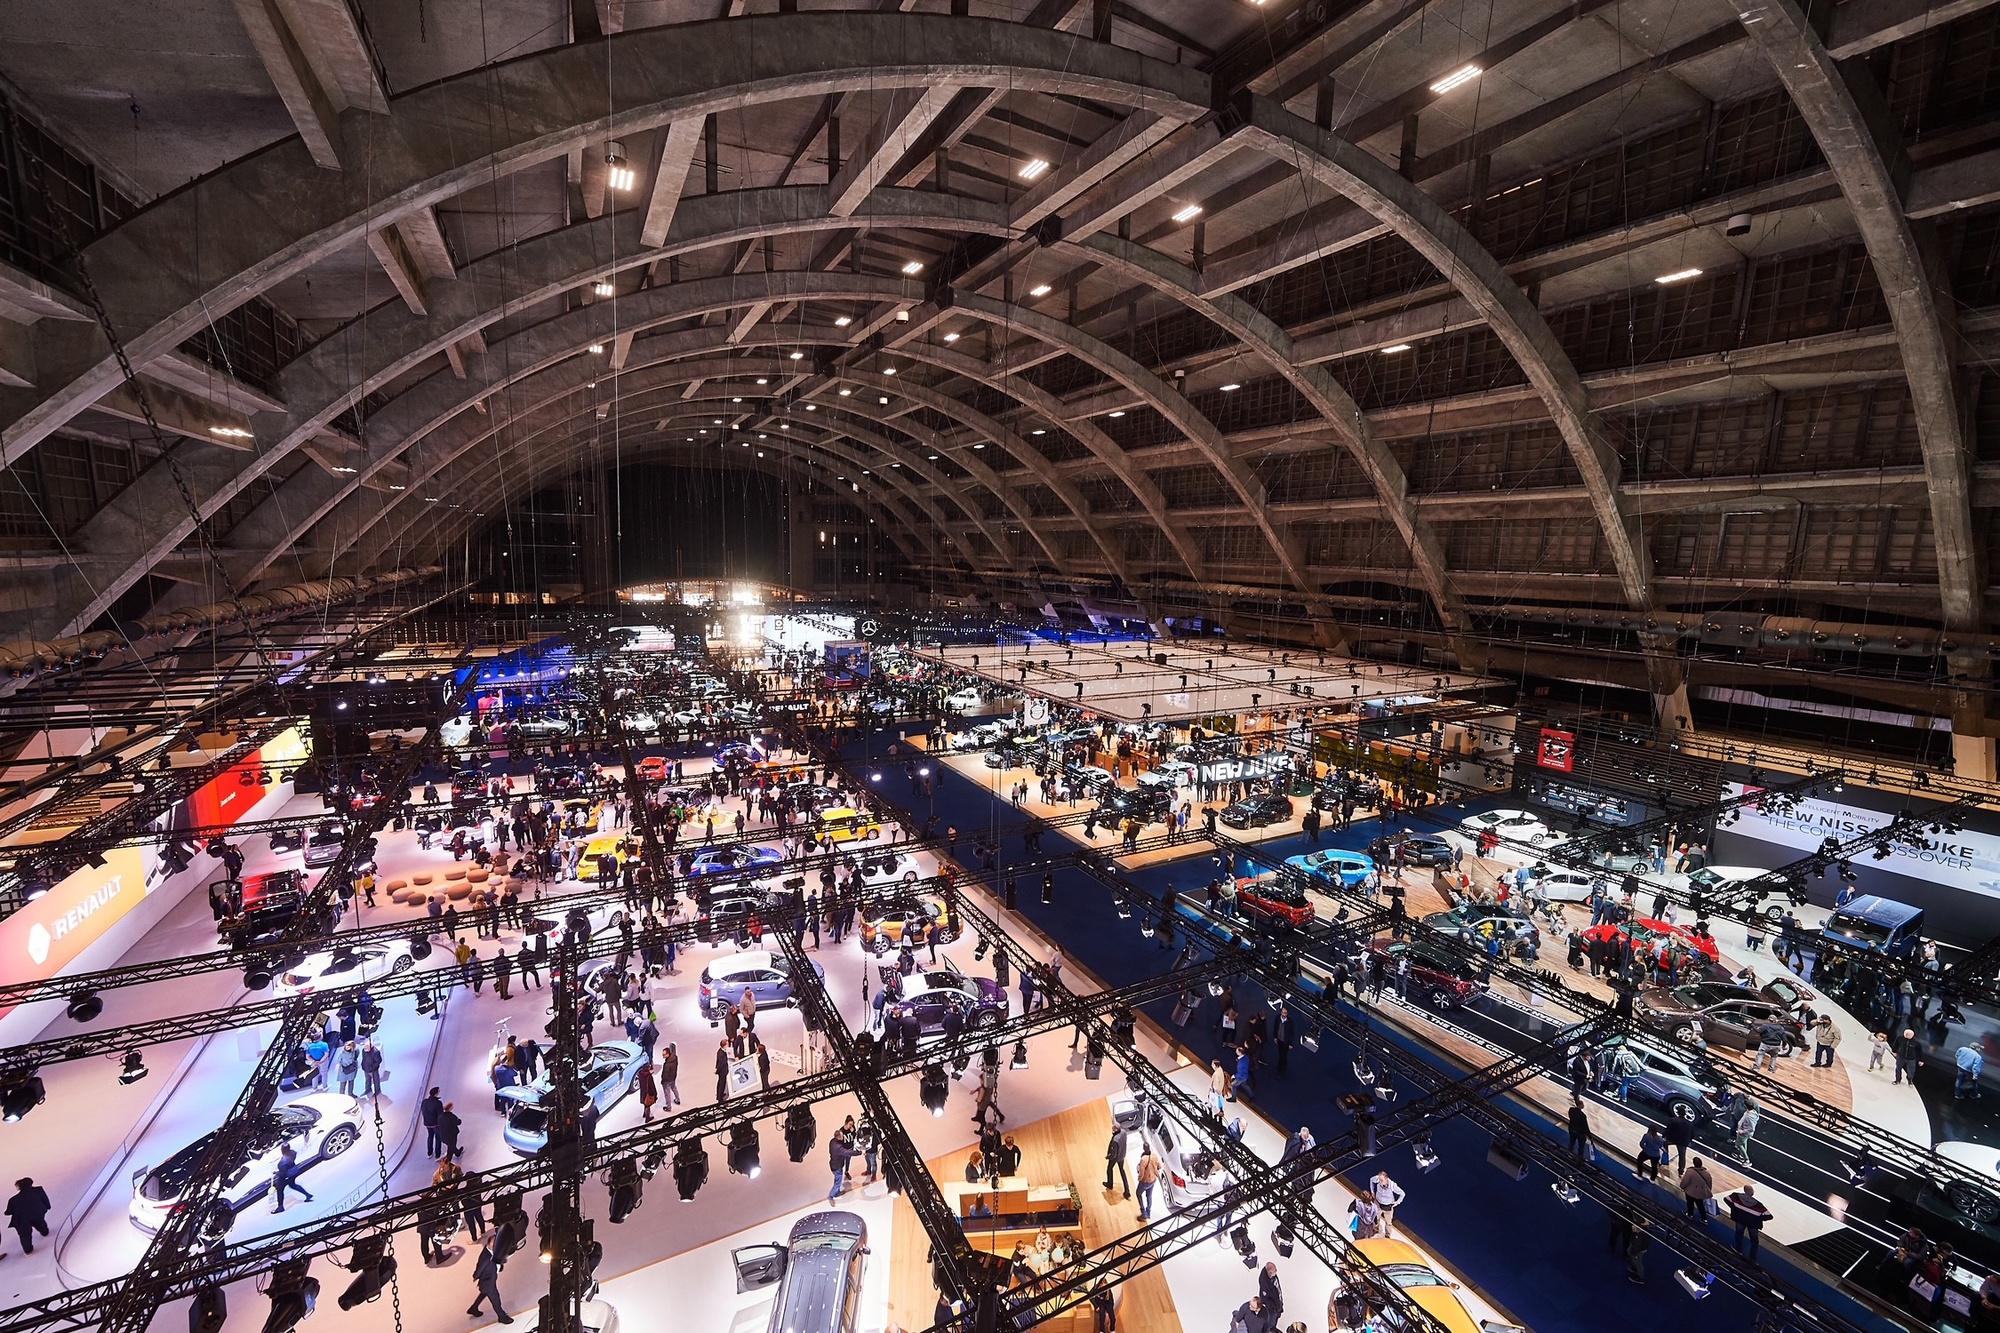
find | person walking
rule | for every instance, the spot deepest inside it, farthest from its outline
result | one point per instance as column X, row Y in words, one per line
column 503, row 971
column 1697, row 1188
column 28, row 1212
column 531, row 967
column 486, row 1277
column 1114, row 1161
column 286, row 1176
column 1652, row 1149
column 1909, row 1054
column 1636, row 1246
column 1148, row 1178
column 447, row 1132
column 1749, row 1214
column 1579, row 1128
column 1746, row 1128
column 429, row 1111
column 670, row 1073
column 1680, row 1134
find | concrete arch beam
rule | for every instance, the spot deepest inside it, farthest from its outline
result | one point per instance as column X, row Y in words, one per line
column 1273, row 345
column 1865, row 154
column 568, row 422
column 492, row 488
column 273, row 213
column 1440, row 238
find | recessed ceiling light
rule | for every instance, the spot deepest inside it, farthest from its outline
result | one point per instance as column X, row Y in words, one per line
column 847, row 393
column 812, row 407
column 1463, row 74
column 895, row 465
column 597, row 349
column 348, row 470
column 951, row 337
column 430, row 499
column 762, row 380
column 798, row 356
column 914, row 267
column 1188, row 213
column 902, row 316
column 1119, row 413
column 395, row 487
column 590, row 384
column 604, row 288
column 1033, row 168
column 784, row 425
column 843, row 321
column 229, row 432
column 979, row 446
column 1231, row 388
column 888, row 370
column 933, row 458
column 1039, row 430
column 736, row 400
column 718, row 421
column 1040, row 289
column 1394, row 348
column 1678, row 275
column 883, row 400
column 762, row 436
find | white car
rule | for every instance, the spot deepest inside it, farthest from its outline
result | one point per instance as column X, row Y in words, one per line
column 457, row 731
column 1192, row 1169
column 544, row 726
column 319, row 1126
column 885, row 866
column 1510, row 826
column 1170, row 774
column 344, row 965
column 643, row 723
column 963, row 701
column 1565, row 886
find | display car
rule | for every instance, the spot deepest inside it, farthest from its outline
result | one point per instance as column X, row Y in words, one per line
column 1008, row 755
column 1258, row 810
column 726, row 902
column 1435, row 1295
column 607, row 1073
column 964, row 701
column 604, row 844
column 1482, row 919
column 272, row 902
column 1510, row 826
column 1190, row 1170
column 884, row 866
column 654, row 768
column 1648, row 935
column 1564, row 886
column 929, row 994
column 543, row 727
column 456, row 731
column 1273, row 897
column 327, row 842
column 740, row 754
column 1687, row 1088
column 1721, row 1014
column 1419, row 849
column 843, row 823
column 817, row 1273
column 759, row 972
column 886, row 918
column 1142, row 803
column 1624, row 861
column 586, row 919
column 811, row 796
column 1169, row 774
column 344, row 965
column 720, row 860
column 320, row 1126
column 1964, row 1211
column 288, row 840
column 992, row 733
column 1336, row 866
column 467, row 782
column 1436, row 973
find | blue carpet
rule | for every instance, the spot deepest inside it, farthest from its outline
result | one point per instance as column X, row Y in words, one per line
column 1544, row 1261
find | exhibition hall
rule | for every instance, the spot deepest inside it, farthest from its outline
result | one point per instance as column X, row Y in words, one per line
column 962, row 666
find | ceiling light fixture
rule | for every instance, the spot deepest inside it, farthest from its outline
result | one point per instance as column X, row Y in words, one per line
column 1119, row 413
column 596, row 349
column 812, row 407
column 1188, row 213
column 1678, row 275
column 888, row 370
column 951, row 337
column 1039, row 430
column 933, row 457
column 605, row 288
column 1463, row 74
column 1040, row 289
column 1231, row 388
column 914, row 267
column 1394, row 348
column 1033, row 168
column 394, row 487
column 347, row 470
column 619, row 177
column 842, row 321
column 882, row 399
column 229, row 432
column 847, row 393
column 798, row 356
column 979, row 446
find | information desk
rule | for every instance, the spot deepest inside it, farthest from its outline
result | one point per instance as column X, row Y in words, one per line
column 1002, row 1214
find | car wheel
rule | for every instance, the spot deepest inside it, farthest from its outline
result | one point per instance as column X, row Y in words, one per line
column 1683, row 1110
column 1442, row 998
column 221, row 1217
column 988, row 1018
column 1687, row 1032
column 1973, row 1203
column 871, row 835
column 403, row 964
column 338, row 1140
column 1774, row 913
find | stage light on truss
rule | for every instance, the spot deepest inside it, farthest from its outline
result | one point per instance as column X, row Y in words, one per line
column 134, row 1068
column 1696, row 1285
column 933, row 1088
column 84, row 1006
column 745, row 1152
column 208, row 1311
column 1020, row 1057
column 21, row 1093
column 690, row 1168
column 1093, row 1059
column 1565, row 1191
column 801, row 1131
column 1427, row 1156
column 293, row 1292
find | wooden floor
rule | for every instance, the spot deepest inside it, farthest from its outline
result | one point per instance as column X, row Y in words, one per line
column 1065, row 1148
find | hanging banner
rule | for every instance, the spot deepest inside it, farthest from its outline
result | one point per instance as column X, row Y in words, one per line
column 1557, row 750
column 47, row 934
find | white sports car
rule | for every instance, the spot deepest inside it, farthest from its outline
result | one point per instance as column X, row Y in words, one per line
column 319, row 1126
column 1516, row 826
column 344, row 965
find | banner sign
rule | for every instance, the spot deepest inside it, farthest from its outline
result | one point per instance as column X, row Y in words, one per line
column 1557, row 750
column 47, row 934
column 1965, row 860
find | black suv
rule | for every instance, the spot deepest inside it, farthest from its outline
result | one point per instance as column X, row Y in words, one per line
column 1146, row 803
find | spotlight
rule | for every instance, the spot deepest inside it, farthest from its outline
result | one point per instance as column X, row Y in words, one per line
column 1019, row 1061
column 1093, row 1059
column 22, row 1093
column 372, row 1266
column 294, row 1293
column 627, row 1188
column 801, row 1131
column 135, row 1068
column 745, row 1152
column 208, row 1311
column 1696, row 1285
column 1427, row 1157
column 1565, row 1191
column 84, row 1006
column 690, row 1168
column 933, row 1088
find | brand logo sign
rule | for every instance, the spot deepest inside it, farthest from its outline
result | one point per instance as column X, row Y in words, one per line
column 45, row 936
column 1964, row 860
column 1557, row 750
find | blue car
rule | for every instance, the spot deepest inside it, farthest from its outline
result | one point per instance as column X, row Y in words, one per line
column 1350, row 870
column 718, row 860
column 766, row 975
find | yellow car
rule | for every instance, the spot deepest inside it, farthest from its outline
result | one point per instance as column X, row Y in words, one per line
column 1423, row 1284
column 845, row 824
column 604, row 844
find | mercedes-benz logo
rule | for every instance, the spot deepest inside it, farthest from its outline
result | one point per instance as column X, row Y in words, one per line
column 870, row 628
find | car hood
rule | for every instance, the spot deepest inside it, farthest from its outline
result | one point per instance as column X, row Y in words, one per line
column 522, row 1095
column 990, row 990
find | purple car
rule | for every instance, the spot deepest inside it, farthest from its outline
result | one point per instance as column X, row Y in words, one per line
column 982, row 1001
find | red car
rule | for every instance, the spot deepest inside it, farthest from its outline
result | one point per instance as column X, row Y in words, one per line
column 653, row 768
column 1648, row 934
column 1270, row 896
column 1436, row 972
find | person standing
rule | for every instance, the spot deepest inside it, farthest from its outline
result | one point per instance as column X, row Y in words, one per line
column 1579, row 1128
column 670, row 1073
column 1697, row 1188
column 1388, row 1197
column 503, row 971
column 1749, row 1214
column 346, row 1066
column 649, row 1091
column 1149, row 1177
column 1826, row 1037
column 722, row 1070
column 1103, row 1307
column 486, row 1276
column 28, row 1212
column 1271, row 1293
column 1909, row 1054
column 839, row 1152
column 1746, row 1128
column 531, row 970
column 1652, row 1150
column 429, row 1112
column 1114, row 1161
